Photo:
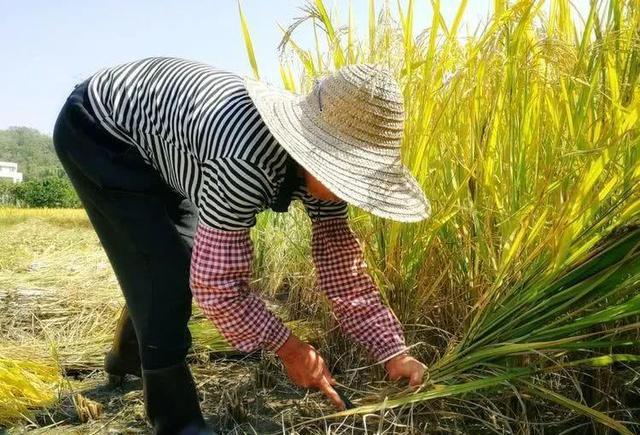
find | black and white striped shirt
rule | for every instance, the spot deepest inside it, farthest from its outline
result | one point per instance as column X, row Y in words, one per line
column 197, row 126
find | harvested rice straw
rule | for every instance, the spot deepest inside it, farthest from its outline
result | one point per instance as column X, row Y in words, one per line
column 24, row 386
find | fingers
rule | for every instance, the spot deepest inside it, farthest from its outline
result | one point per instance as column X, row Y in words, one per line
column 395, row 375
column 326, row 387
column 312, row 372
column 328, row 375
column 406, row 367
column 331, row 394
column 415, row 379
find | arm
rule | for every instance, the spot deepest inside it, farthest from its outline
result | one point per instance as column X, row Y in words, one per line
column 219, row 280
column 356, row 301
column 233, row 192
column 342, row 275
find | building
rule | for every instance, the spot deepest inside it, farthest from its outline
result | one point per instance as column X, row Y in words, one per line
column 10, row 170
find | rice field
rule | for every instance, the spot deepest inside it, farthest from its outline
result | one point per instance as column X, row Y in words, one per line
column 521, row 292
column 59, row 302
column 525, row 137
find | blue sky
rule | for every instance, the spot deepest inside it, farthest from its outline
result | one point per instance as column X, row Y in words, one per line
column 48, row 46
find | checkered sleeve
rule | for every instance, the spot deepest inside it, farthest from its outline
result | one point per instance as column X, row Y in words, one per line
column 219, row 279
column 342, row 275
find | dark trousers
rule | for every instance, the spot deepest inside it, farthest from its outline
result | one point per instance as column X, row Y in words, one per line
column 145, row 228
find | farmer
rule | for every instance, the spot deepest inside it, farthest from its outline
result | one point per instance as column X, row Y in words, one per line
column 172, row 160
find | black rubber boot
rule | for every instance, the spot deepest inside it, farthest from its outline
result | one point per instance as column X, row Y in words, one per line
column 124, row 356
column 171, row 401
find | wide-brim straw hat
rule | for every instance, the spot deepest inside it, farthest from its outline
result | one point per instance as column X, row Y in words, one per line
column 347, row 133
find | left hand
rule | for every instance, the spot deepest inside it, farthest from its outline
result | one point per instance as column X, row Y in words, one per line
column 405, row 366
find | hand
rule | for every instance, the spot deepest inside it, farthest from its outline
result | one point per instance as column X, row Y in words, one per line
column 306, row 368
column 405, row 366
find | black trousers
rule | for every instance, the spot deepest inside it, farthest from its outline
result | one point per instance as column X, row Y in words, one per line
column 145, row 228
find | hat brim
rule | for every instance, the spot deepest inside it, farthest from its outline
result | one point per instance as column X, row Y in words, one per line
column 363, row 174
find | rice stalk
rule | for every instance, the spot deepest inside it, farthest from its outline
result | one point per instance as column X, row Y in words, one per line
column 25, row 386
column 248, row 43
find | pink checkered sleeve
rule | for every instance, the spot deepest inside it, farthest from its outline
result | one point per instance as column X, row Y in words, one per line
column 220, row 274
column 355, row 299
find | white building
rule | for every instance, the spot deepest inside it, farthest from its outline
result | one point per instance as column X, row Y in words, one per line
column 10, row 170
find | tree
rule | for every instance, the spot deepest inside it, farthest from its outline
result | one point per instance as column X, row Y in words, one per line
column 7, row 192
column 32, row 150
column 50, row 191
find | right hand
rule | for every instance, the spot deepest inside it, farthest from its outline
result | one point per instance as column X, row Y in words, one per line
column 306, row 368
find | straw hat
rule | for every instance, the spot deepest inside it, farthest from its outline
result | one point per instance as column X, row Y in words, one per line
column 346, row 132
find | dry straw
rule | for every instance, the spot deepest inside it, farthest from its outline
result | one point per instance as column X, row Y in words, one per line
column 24, row 386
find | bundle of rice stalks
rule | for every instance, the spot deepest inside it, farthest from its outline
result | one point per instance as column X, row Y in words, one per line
column 26, row 386
column 545, row 325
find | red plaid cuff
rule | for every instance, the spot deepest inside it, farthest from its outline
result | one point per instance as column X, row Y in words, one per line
column 220, row 274
column 355, row 299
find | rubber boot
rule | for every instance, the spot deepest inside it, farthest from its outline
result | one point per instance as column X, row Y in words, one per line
column 171, row 401
column 124, row 357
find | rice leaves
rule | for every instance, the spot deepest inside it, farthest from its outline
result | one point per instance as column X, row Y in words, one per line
column 248, row 43
column 525, row 137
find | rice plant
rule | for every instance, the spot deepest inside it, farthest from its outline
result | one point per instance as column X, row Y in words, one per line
column 525, row 137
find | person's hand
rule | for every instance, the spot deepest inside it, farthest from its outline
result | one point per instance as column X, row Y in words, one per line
column 306, row 368
column 405, row 366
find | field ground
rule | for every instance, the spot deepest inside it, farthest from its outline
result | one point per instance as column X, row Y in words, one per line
column 59, row 302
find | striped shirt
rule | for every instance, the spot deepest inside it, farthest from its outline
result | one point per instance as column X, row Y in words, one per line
column 198, row 127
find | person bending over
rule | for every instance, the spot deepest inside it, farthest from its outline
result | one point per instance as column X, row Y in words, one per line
column 173, row 159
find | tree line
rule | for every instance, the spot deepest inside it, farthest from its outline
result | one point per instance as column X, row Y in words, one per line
column 45, row 182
